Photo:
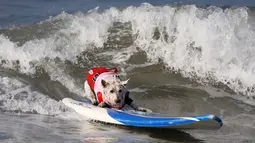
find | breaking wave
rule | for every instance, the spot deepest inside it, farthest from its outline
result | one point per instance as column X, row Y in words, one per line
column 210, row 45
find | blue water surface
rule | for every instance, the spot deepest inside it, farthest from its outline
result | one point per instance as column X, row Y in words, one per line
column 14, row 12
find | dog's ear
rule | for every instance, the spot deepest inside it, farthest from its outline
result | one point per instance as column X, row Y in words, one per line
column 104, row 83
column 125, row 82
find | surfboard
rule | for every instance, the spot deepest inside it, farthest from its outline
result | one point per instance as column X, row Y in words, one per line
column 141, row 119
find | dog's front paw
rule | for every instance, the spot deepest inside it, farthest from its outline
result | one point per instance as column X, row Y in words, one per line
column 102, row 104
column 144, row 109
column 94, row 102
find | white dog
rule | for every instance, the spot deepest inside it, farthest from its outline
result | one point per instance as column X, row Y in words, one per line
column 105, row 89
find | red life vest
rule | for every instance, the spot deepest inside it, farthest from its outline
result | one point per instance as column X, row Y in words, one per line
column 91, row 78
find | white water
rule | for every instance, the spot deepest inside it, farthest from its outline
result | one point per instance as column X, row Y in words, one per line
column 224, row 41
column 17, row 96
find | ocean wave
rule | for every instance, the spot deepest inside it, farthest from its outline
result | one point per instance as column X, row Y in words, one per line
column 208, row 44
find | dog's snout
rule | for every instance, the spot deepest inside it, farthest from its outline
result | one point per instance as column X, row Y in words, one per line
column 117, row 100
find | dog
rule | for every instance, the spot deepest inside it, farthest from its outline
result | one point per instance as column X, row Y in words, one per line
column 105, row 89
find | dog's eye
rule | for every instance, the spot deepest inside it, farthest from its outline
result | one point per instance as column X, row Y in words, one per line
column 111, row 91
column 120, row 91
column 116, row 76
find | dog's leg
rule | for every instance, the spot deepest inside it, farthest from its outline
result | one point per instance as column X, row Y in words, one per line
column 89, row 93
column 136, row 107
column 102, row 104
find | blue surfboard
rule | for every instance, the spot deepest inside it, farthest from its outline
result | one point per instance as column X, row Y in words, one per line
column 142, row 119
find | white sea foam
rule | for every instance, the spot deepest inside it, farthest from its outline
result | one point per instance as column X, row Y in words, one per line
column 17, row 96
column 205, row 43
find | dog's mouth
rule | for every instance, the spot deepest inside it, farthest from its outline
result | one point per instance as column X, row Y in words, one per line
column 119, row 104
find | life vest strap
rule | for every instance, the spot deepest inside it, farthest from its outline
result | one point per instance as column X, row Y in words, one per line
column 92, row 79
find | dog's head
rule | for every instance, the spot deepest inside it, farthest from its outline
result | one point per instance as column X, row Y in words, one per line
column 114, row 92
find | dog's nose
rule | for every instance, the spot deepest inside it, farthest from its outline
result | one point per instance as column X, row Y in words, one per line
column 127, row 93
column 117, row 100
